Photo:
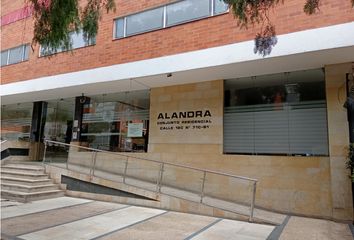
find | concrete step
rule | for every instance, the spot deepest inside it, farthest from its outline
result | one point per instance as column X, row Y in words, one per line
column 23, row 169
column 28, row 189
column 28, row 197
column 27, row 182
column 24, row 164
column 23, row 175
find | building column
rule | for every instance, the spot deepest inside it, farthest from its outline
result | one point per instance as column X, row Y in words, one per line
column 78, row 127
column 37, row 130
column 338, row 136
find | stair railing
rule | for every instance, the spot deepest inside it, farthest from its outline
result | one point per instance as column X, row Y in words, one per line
column 160, row 174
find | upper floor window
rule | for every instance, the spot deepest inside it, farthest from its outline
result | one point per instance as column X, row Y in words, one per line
column 186, row 11
column 145, row 21
column 15, row 55
column 77, row 40
column 167, row 15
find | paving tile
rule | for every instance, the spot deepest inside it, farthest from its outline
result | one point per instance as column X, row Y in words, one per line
column 41, row 205
column 230, row 230
column 33, row 222
column 273, row 217
column 95, row 226
column 169, row 226
column 9, row 203
column 299, row 228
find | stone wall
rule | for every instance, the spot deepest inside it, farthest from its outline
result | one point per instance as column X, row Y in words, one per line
column 338, row 135
column 311, row 186
column 299, row 185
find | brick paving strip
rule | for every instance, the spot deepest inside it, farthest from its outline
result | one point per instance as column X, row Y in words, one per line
column 95, row 226
column 178, row 226
column 172, row 225
column 20, row 225
column 275, row 234
column 40, row 206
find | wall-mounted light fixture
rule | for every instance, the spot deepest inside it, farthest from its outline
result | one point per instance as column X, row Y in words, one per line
column 82, row 99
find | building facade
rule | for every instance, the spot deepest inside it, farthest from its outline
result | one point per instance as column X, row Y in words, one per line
column 178, row 81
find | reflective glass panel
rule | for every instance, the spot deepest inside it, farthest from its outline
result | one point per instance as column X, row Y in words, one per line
column 145, row 21
column 59, row 120
column 188, row 10
column 282, row 114
column 120, row 28
column 16, row 121
column 15, row 55
column 220, row 6
column 117, row 122
column 77, row 40
column 4, row 55
column 26, row 52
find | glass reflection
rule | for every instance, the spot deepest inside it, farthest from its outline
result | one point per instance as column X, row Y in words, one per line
column 16, row 121
column 117, row 122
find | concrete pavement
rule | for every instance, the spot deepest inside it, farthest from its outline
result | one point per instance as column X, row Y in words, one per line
column 74, row 218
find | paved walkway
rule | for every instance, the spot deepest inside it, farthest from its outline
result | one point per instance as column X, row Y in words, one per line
column 74, row 218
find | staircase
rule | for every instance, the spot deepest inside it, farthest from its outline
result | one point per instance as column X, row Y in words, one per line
column 25, row 182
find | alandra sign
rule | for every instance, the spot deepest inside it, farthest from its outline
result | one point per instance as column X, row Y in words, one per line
column 189, row 114
column 186, row 120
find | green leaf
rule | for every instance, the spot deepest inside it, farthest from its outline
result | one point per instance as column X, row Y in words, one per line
column 311, row 6
column 54, row 20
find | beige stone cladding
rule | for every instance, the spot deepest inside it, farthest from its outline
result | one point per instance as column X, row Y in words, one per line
column 15, row 144
column 185, row 99
column 299, row 185
column 338, row 136
column 311, row 186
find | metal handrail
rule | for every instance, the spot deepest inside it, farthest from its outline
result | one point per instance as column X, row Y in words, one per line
column 160, row 174
column 156, row 161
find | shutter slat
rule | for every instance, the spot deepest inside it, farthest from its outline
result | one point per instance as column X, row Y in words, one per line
column 292, row 129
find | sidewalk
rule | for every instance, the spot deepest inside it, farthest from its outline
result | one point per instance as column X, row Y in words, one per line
column 75, row 218
column 309, row 228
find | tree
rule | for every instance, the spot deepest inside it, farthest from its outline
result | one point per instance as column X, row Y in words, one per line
column 253, row 12
column 54, row 20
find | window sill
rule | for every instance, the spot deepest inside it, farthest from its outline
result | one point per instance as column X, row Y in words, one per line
column 12, row 64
